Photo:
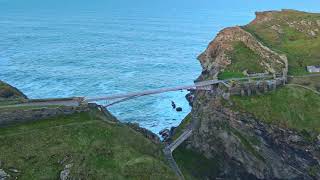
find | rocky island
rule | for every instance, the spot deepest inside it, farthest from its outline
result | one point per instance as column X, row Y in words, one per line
column 257, row 129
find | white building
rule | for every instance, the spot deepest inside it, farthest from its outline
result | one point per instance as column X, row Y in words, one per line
column 313, row 69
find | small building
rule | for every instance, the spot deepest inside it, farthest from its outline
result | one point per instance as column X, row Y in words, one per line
column 313, row 69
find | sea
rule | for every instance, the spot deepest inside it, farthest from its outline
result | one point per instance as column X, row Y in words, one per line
column 55, row 48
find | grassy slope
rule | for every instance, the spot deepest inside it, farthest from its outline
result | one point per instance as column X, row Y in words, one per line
column 242, row 59
column 97, row 150
column 292, row 107
column 300, row 48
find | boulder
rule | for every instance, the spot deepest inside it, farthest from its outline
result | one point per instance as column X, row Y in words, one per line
column 3, row 175
column 65, row 174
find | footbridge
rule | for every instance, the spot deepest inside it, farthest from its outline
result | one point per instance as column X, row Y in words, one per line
column 117, row 98
column 204, row 85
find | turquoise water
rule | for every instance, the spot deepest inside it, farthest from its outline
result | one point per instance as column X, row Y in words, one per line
column 76, row 48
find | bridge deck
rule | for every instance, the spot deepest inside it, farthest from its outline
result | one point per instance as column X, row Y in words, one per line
column 155, row 91
column 162, row 90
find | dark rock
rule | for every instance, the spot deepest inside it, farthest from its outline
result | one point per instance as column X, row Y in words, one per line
column 179, row 109
column 9, row 92
column 190, row 97
column 14, row 170
column 3, row 175
column 65, row 173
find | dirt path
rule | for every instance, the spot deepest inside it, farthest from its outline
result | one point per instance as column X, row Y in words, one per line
column 305, row 87
column 168, row 150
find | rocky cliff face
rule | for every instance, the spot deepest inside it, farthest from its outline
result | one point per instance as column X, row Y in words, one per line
column 9, row 92
column 249, row 148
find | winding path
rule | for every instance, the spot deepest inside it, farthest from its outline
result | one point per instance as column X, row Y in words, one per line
column 305, row 87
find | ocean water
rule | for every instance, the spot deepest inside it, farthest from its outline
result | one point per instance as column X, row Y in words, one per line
column 83, row 48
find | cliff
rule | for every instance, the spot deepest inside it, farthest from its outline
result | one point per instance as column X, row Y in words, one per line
column 273, row 135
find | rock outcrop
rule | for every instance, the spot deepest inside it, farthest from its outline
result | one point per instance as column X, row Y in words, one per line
column 9, row 92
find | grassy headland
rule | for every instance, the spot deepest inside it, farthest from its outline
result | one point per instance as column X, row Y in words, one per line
column 94, row 145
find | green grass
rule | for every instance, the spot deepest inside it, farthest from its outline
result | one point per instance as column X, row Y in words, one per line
column 6, row 102
column 291, row 107
column 97, row 150
column 301, row 49
column 228, row 75
column 194, row 165
column 243, row 58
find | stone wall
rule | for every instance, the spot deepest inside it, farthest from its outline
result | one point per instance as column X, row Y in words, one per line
column 14, row 116
column 258, row 87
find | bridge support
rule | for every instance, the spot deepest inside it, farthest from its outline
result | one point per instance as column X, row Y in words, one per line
column 265, row 88
column 249, row 91
column 242, row 92
column 274, row 85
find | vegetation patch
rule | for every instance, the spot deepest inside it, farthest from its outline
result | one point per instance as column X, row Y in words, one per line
column 29, row 107
column 95, row 149
column 227, row 75
column 291, row 107
column 293, row 33
column 243, row 58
